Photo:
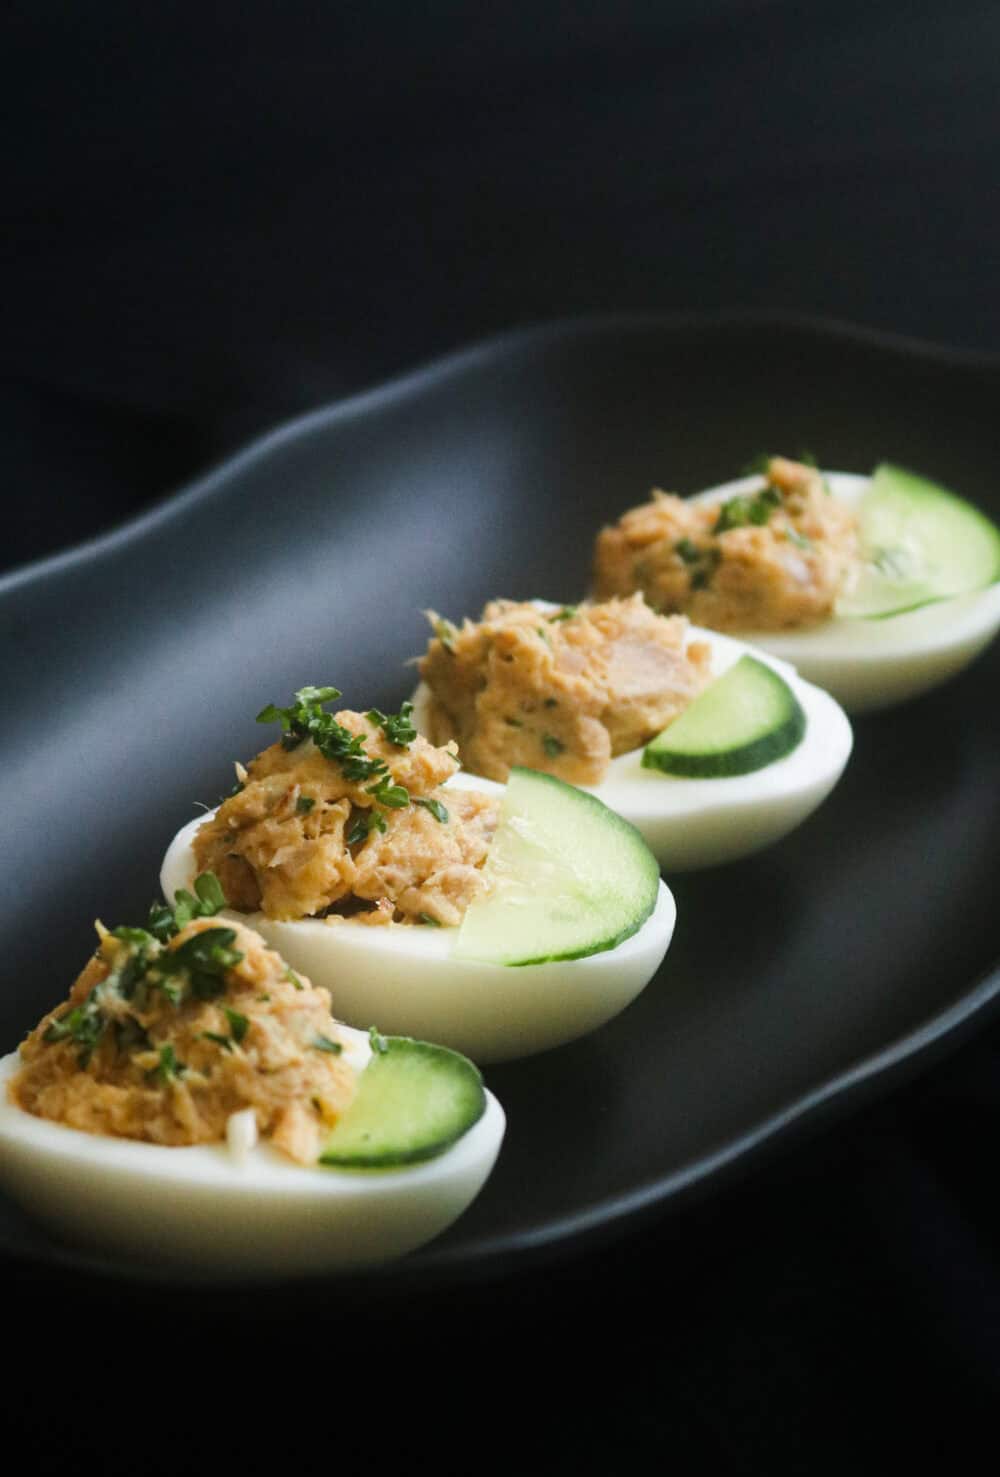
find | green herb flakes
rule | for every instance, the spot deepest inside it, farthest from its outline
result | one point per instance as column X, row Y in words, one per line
column 238, row 1024
column 304, row 804
column 323, row 1043
column 437, row 810
column 747, row 510
column 397, row 727
column 376, row 1041
column 292, row 977
column 169, row 1069
column 552, row 746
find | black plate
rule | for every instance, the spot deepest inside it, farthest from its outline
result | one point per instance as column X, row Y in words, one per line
column 796, row 981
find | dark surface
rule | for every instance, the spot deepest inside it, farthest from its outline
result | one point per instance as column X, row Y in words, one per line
column 796, row 979
column 214, row 218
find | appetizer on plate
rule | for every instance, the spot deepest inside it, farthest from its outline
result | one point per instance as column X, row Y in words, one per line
column 877, row 588
column 500, row 920
column 195, row 1100
column 709, row 749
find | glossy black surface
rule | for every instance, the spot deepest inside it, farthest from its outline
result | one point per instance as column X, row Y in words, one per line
column 797, row 980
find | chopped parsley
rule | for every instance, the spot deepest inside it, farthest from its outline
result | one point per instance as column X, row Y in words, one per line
column 224, row 1041
column 430, row 922
column 367, row 821
column 798, row 539
column 551, row 702
column 168, row 1069
column 82, row 1024
column 323, row 1043
column 513, row 723
column 239, row 1024
column 566, row 613
column 747, row 509
column 304, row 804
column 389, row 794
column 437, row 810
column 305, row 719
column 165, row 922
column 544, row 635
column 702, row 562
column 397, row 727
column 203, row 959
column 293, row 978
column 376, row 1041
column 552, row 746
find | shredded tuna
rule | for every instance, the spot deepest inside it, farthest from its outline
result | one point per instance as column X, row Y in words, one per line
column 177, row 1071
column 779, row 574
column 560, row 691
column 284, row 843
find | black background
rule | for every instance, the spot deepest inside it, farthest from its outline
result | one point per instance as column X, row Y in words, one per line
column 213, row 219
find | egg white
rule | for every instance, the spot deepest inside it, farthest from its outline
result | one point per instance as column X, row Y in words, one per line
column 694, row 823
column 869, row 664
column 404, row 979
column 203, row 1209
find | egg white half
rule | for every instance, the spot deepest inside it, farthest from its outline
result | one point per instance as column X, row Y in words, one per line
column 693, row 823
column 204, row 1209
column 869, row 664
column 403, row 978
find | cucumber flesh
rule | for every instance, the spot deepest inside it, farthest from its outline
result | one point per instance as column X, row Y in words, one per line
column 746, row 719
column 567, row 877
column 920, row 544
column 413, row 1101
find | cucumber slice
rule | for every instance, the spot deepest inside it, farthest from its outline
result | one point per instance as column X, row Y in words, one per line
column 413, row 1101
column 568, row 877
column 744, row 720
column 920, row 544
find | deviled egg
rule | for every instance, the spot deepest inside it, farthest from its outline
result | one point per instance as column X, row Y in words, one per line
column 195, row 1101
column 498, row 919
column 876, row 588
column 710, row 749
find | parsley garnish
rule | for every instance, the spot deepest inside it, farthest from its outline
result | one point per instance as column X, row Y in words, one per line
column 368, row 821
column 435, row 807
column 753, row 509
column 82, row 1024
column 513, row 722
column 223, row 1041
column 238, row 1024
column 305, row 719
column 396, row 726
column 165, row 922
column 292, row 977
column 323, row 1043
column 304, row 804
column 377, row 1042
column 566, row 613
column 552, row 746
column 204, row 958
column 168, row 1068
column 431, row 922
column 687, row 552
column 394, row 796
column 798, row 539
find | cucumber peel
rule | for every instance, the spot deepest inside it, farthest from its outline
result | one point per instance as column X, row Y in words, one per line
column 413, row 1101
column 744, row 720
column 920, row 544
column 568, row 877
